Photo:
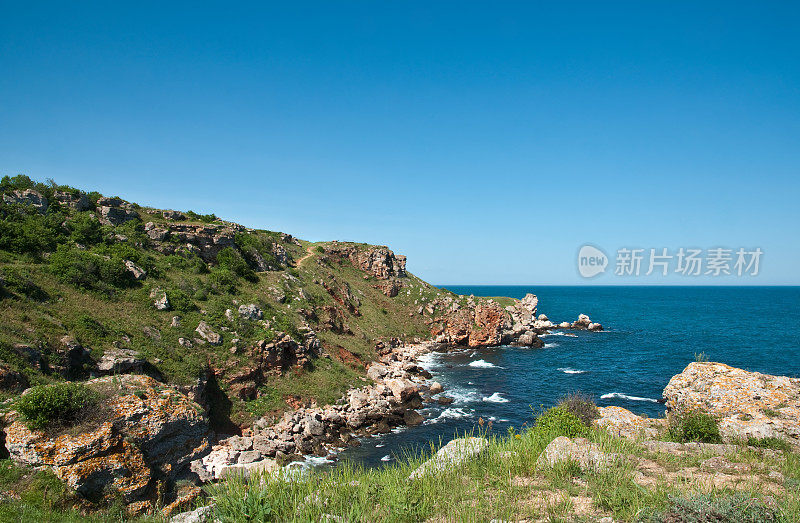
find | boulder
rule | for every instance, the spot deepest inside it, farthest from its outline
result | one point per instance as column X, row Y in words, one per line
column 595, row 327
column 205, row 332
column 451, row 456
column 580, row 450
column 173, row 215
column 151, row 431
column 624, row 423
column 747, row 404
column 160, row 300
column 120, row 361
column 402, row 389
column 137, row 272
column 250, row 311
column 27, row 197
column 116, row 215
column 77, row 201
column 198, row 515
column 582, row 322
column 435, row 387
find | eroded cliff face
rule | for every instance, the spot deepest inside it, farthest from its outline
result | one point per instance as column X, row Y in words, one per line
column 148, row 433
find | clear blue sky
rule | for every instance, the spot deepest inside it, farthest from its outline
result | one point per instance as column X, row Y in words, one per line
column 486, row 141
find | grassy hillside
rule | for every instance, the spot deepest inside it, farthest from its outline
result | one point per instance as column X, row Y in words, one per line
column 64, row 282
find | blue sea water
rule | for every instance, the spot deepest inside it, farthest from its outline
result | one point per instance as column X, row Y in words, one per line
column 651, row 334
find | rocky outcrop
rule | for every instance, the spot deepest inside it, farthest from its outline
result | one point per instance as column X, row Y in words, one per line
column 148, row 432
column 456, row 452
column 120, row 361
column 115, row 211
column 747, row 404
column 74, row 200
column 390, row 401
column 204, row 240
column 580, row 450
column 27, row 197
column 624, row 423
column 206, row 333
column 264, row 359
column 11, row 380
column 379, row 261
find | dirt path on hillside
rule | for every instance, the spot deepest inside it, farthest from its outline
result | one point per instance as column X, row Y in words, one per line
column 304, row 258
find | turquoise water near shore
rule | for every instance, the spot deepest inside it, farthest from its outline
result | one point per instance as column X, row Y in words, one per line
column 651, row 334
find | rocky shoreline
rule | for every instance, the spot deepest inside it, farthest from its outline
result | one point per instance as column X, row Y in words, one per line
column 400, row 387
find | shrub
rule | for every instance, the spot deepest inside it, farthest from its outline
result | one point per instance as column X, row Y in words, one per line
column 180, row 301
column 319, row 249
column 63, row 402
column 85, row 229
column 88, row 271
column 207, row 218
column 694, row 426
column 770, row 443
column 24, row 231
column 257, row 250
column 582, row 405
column 222, row 281
column 559, row 421
column 232, row 261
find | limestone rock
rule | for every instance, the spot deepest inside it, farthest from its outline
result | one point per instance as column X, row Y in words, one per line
column 747, row 404
column 250, row 311
column 27, row 197
column 137, row 272
column 205, row 332
column 120, row 361
column 580, row 450
column 198, row 515
column 77, row 201
column 451, row 455
column 116, row 215
column 152, row 431
column 161, row 302
column 624, row 423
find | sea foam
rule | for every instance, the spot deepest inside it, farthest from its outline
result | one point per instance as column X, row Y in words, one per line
column 619, row 395
column 568, row 370
column 482, row 364
column 496, row 398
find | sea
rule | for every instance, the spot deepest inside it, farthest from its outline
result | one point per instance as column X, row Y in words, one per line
column 651, row 334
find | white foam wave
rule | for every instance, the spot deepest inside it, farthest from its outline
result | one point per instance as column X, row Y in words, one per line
column 496, row 398
column 309, row 462
column 482, row 364
column 550, row 345
column 379, row 445
column 386, row 458
column 619, row 395
column 568, row 370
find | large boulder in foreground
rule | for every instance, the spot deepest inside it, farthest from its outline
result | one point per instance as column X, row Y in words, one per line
column 747, row 404
column 625, row 424
column 148, row 432
column 453, row 454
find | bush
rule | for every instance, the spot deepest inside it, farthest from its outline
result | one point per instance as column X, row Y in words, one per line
column 24, row 231
column 207, row 218
column 582, row 405
column 319, row 249
column 257, row 250
column 180, row 301
column 88, row 271
column 231, row 260
column 222, row 281
column 694, row 426
column 770, row 443
column 559, row 421
column 85, row 229
column 63, row 403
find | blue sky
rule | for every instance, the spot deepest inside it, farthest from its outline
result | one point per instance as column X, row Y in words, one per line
column 486, row 141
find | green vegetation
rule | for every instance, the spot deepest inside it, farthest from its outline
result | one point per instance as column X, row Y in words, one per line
column 561, row 421
column 507, row 483
column 694, row 426
column 60, row 403
column 730, row 508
